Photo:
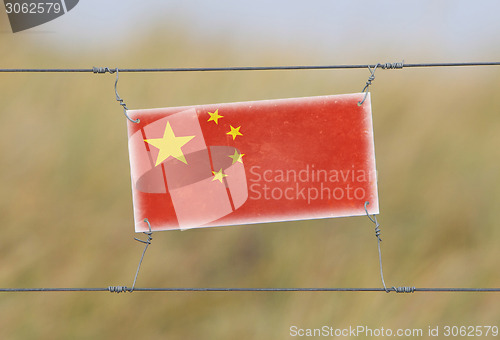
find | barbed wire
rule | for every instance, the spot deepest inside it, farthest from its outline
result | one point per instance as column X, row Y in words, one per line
column 398, row 65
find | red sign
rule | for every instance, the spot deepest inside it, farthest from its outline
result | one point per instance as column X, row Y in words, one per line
column 252, row 162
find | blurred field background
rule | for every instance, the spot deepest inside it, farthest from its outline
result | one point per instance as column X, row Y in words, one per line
column 66, row 209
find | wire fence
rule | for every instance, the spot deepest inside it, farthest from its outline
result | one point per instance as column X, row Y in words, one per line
column 371, row 67
column 123, row 289
column 397, row 65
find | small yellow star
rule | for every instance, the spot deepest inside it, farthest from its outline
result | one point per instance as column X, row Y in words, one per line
column 235, row 132
column 214, row 116
column 237, row 157
column 218, row 175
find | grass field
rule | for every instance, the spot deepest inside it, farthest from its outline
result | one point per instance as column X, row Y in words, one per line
column 66, row 209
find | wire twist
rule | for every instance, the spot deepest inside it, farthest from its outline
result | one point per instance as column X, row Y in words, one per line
column 404, row 289
column 385, row 66
column 392, row 66
column 120, row 100
column 122, row 289
column 147, row 242
column 118, row 289
column 368, row 83
column 377, row 234
column 379, row 239
column 102, row 70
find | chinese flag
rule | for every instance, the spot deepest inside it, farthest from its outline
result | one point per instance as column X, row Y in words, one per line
column 252, row 162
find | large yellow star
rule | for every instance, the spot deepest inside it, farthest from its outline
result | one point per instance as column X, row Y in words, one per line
column 237, row 157
column 169, row 145
column 218, row 175
column 214, row 116
column 235, row 132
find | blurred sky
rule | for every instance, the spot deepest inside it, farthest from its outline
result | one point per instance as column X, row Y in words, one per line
column 451, row 30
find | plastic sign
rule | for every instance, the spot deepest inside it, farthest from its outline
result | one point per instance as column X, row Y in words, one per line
column 252, row 162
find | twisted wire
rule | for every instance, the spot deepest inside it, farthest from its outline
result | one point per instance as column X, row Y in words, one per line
column 118, row 99
column 147, row 242
column 117, row 289
column 392, row 66
column 404, row 289
column 120, row 289
column 250, row 68
column 102, row 70
column 368, row 83
column 379, row 239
